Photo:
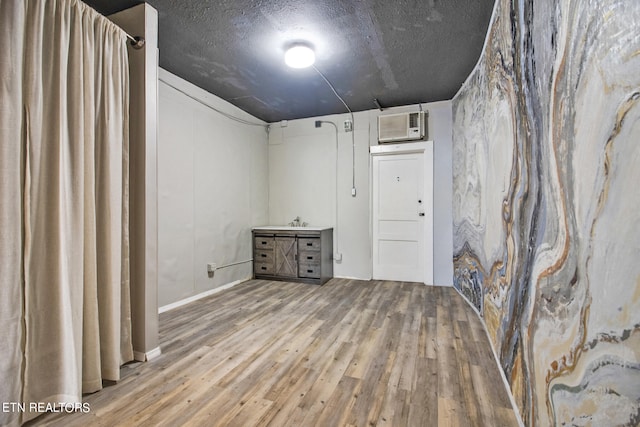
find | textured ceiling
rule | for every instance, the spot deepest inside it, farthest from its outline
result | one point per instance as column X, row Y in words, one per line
column 400, row 52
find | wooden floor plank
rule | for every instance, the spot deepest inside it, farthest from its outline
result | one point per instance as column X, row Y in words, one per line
column 348, row 353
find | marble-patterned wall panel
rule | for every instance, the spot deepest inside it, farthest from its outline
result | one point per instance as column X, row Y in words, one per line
column 481, row 230
column 546, row 209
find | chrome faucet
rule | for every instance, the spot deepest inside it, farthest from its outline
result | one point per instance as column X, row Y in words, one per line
column 296, row 223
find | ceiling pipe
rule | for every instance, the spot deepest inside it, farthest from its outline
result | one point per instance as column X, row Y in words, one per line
column 353, row 141
column 307, row 59
column 337, row 256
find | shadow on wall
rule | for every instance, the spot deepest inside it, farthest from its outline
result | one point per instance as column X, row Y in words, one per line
column 546, row 223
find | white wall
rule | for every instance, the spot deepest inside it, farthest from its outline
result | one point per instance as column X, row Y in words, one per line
column 218, row 178
column 212, row 188
column 302, row 183
column 440, row 132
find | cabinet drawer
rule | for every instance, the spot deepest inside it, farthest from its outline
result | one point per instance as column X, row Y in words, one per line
column 260, row 242
column 262, row 268
column 309, row 257
column 308, row 244
column 264, row 256
column 311, row 271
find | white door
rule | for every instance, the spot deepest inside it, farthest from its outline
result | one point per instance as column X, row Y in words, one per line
column 398, row 217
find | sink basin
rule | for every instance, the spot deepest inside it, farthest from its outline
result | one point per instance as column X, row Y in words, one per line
column 289, row 228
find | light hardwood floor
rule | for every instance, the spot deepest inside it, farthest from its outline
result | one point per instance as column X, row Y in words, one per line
column 349, row 353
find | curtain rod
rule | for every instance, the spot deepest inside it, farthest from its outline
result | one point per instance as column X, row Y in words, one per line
column 136, row 42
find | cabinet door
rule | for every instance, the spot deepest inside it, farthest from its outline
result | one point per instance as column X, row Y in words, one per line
column 286, row 262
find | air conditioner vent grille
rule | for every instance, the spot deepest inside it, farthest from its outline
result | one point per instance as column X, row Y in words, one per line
column 392, row 126
column 413, row 120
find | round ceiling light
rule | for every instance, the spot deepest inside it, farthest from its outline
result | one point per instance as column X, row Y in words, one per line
column 299, row 56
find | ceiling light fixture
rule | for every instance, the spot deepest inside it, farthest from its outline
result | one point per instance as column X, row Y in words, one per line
column 299, row 56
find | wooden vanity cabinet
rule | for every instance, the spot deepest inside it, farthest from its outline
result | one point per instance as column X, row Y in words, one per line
column 299, row 255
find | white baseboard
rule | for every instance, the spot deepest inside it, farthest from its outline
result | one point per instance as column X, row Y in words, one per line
column 185, row 301
column 507, row 386
column 149, row 355
column 364, row 279
column 438, row 285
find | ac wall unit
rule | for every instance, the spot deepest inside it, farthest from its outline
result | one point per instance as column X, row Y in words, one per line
column 402, row 127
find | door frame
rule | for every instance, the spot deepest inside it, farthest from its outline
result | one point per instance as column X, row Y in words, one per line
column 425, row 147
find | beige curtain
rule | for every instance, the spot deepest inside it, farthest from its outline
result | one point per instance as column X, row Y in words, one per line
column 64, row 248
column 11, row 288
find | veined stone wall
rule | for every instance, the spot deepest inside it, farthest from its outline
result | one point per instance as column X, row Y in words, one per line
column 547, row 205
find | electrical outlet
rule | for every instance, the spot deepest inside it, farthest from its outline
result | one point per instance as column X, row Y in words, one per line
column 348, row 126
column 337, row 257
column 211, row 267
